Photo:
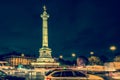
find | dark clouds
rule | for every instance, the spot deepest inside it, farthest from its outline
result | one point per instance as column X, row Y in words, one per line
column 74, row 26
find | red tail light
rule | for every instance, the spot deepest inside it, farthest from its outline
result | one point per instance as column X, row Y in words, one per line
column 48, row 78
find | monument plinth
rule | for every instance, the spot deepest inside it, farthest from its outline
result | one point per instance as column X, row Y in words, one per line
column 45, row 58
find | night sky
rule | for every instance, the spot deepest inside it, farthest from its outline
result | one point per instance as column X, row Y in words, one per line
column 75, row 26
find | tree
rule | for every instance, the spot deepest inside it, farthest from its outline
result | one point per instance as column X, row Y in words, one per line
column 93, row 60
column 82, row 61
column 117, row 59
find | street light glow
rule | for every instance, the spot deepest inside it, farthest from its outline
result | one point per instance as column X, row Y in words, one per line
column 91, row 53
column 73, row 54
column 60, row 56
column 113, row 48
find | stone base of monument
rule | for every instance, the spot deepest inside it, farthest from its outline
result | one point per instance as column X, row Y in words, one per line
column 45, row 63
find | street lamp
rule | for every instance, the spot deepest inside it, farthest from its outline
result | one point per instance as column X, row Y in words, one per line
column 91, row 57
column 73, row 55
column 112, row 48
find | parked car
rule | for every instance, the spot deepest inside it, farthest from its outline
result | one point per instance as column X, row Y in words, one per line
column 4, row 76
column 68, row 74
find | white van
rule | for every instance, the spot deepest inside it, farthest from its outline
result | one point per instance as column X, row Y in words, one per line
column 5, row 65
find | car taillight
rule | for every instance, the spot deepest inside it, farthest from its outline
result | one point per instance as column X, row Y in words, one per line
column 48, row 78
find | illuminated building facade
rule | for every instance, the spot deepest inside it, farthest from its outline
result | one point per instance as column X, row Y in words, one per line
column 15, row 60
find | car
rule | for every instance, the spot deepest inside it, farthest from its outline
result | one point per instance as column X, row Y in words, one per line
column 69, row 74
column 114, row 75
column 5, row 65
column 4, row 76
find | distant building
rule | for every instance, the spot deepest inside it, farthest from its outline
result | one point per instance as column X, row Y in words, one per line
column 15, row 60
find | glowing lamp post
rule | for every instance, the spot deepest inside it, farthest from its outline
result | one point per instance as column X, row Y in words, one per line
column 112, row 48
column 73, row 55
